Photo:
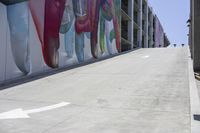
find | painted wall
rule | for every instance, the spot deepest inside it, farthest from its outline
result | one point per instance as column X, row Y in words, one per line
column 38, row 35
column 159, row 33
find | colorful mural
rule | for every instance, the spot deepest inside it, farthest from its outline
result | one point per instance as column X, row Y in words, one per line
column 51, row 21
column 77, row 20
column 17, row 15
column 88, row 14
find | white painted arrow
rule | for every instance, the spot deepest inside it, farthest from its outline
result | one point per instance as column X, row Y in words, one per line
column 22, row 114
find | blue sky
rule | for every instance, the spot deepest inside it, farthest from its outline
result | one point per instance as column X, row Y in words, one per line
column 173, row 15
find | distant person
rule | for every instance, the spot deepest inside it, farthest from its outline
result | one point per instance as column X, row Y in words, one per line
column 174, row 45
column 183, row 45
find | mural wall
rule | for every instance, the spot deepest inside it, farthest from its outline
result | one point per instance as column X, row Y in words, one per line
column 37, row 35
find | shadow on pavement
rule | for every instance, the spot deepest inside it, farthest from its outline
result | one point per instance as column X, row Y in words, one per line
column 197, row 75
column 197, row 117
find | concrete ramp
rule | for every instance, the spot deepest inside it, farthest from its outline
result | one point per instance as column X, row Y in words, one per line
column 145, row 91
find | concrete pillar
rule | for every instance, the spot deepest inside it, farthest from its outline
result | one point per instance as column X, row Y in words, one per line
column 146, row 25
column 131, row 23
column 151, row 29
column 140, row 23
column 196, row 34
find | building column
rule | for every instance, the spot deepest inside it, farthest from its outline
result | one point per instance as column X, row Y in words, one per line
column 131, row 23
column 140, row 24
column 151, row 30
column 196, row 34
column 146, row 26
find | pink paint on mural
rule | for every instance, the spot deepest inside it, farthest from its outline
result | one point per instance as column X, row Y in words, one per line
column 37, row 8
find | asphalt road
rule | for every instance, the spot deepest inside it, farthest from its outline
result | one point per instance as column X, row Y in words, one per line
column 145, row 91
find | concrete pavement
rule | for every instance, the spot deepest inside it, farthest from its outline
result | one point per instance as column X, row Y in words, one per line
column 198, row 85
column 145, row 91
